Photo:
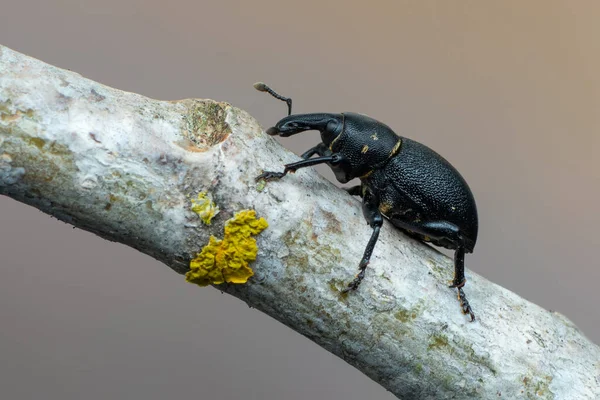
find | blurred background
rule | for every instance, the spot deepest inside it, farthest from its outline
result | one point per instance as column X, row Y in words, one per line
column 509, row 92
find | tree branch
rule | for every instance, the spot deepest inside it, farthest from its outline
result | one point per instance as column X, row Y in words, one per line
column 125, row 167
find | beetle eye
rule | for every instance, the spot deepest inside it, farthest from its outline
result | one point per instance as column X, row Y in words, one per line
column 332, row 126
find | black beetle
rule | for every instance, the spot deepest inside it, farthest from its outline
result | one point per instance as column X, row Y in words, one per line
column 415, row 188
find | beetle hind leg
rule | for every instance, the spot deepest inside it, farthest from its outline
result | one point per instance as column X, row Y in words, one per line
column 464, row 304
column 448, row 235
column 459, row 281
column 459, row 268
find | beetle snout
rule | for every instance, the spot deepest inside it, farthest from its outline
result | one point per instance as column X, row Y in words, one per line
column 273, row 131
column 285, row 129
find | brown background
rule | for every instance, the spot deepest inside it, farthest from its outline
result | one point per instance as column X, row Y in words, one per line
column 508, row 91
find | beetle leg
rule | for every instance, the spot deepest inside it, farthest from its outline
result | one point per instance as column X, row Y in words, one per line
column 464, row 303
column 460, row 280
column 293, row 167
column 448, row 232
column 459, row 268
column 319, row 149
column 375, row 220
column 354, row 190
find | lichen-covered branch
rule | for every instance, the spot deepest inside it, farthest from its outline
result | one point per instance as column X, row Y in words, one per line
column 127, row 168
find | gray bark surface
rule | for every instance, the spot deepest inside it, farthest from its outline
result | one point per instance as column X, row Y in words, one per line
column 125, row 167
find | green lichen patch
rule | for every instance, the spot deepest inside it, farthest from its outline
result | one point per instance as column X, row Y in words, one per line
column 260, row 185
column 204, row 207
column 385, row 324
column 204, row 123
column 419, row 368
column 437, row 340
column 7, row 114
column 436, row 269
column 5, row 107
column 337, row 286
column 405, row 315
column 42, row 167
column 37, row 142
column 227, row 260
column 460, row 349
column 536, row 387
column 321, row 254
column 333, row 224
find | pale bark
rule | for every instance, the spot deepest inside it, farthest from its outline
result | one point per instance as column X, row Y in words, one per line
column 125, row 167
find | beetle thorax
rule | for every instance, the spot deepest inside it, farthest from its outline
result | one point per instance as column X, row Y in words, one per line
column 365, row 143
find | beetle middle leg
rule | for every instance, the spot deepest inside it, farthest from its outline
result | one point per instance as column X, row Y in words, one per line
column 323, row 150
column 375, row 220
column 355, row 190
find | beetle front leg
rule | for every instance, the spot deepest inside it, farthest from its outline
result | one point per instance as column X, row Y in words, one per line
column 375, row 220
column 320, row 150
column 293, row 167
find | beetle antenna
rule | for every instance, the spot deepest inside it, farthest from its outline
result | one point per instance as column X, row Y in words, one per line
column 262, row 87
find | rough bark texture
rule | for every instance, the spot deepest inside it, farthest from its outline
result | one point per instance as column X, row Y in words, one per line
column 125, row 167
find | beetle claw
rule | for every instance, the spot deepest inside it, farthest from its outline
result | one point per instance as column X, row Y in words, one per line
column 269, row 176
column 464, row 304
column 457, row 285
column 357, row 279
column 352, row 285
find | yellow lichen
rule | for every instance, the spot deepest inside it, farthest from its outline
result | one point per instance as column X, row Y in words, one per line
column 227, row 260
column 204, row 207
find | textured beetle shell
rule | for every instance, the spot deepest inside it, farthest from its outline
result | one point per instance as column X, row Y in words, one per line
column 414, row 183
column 422, row 185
